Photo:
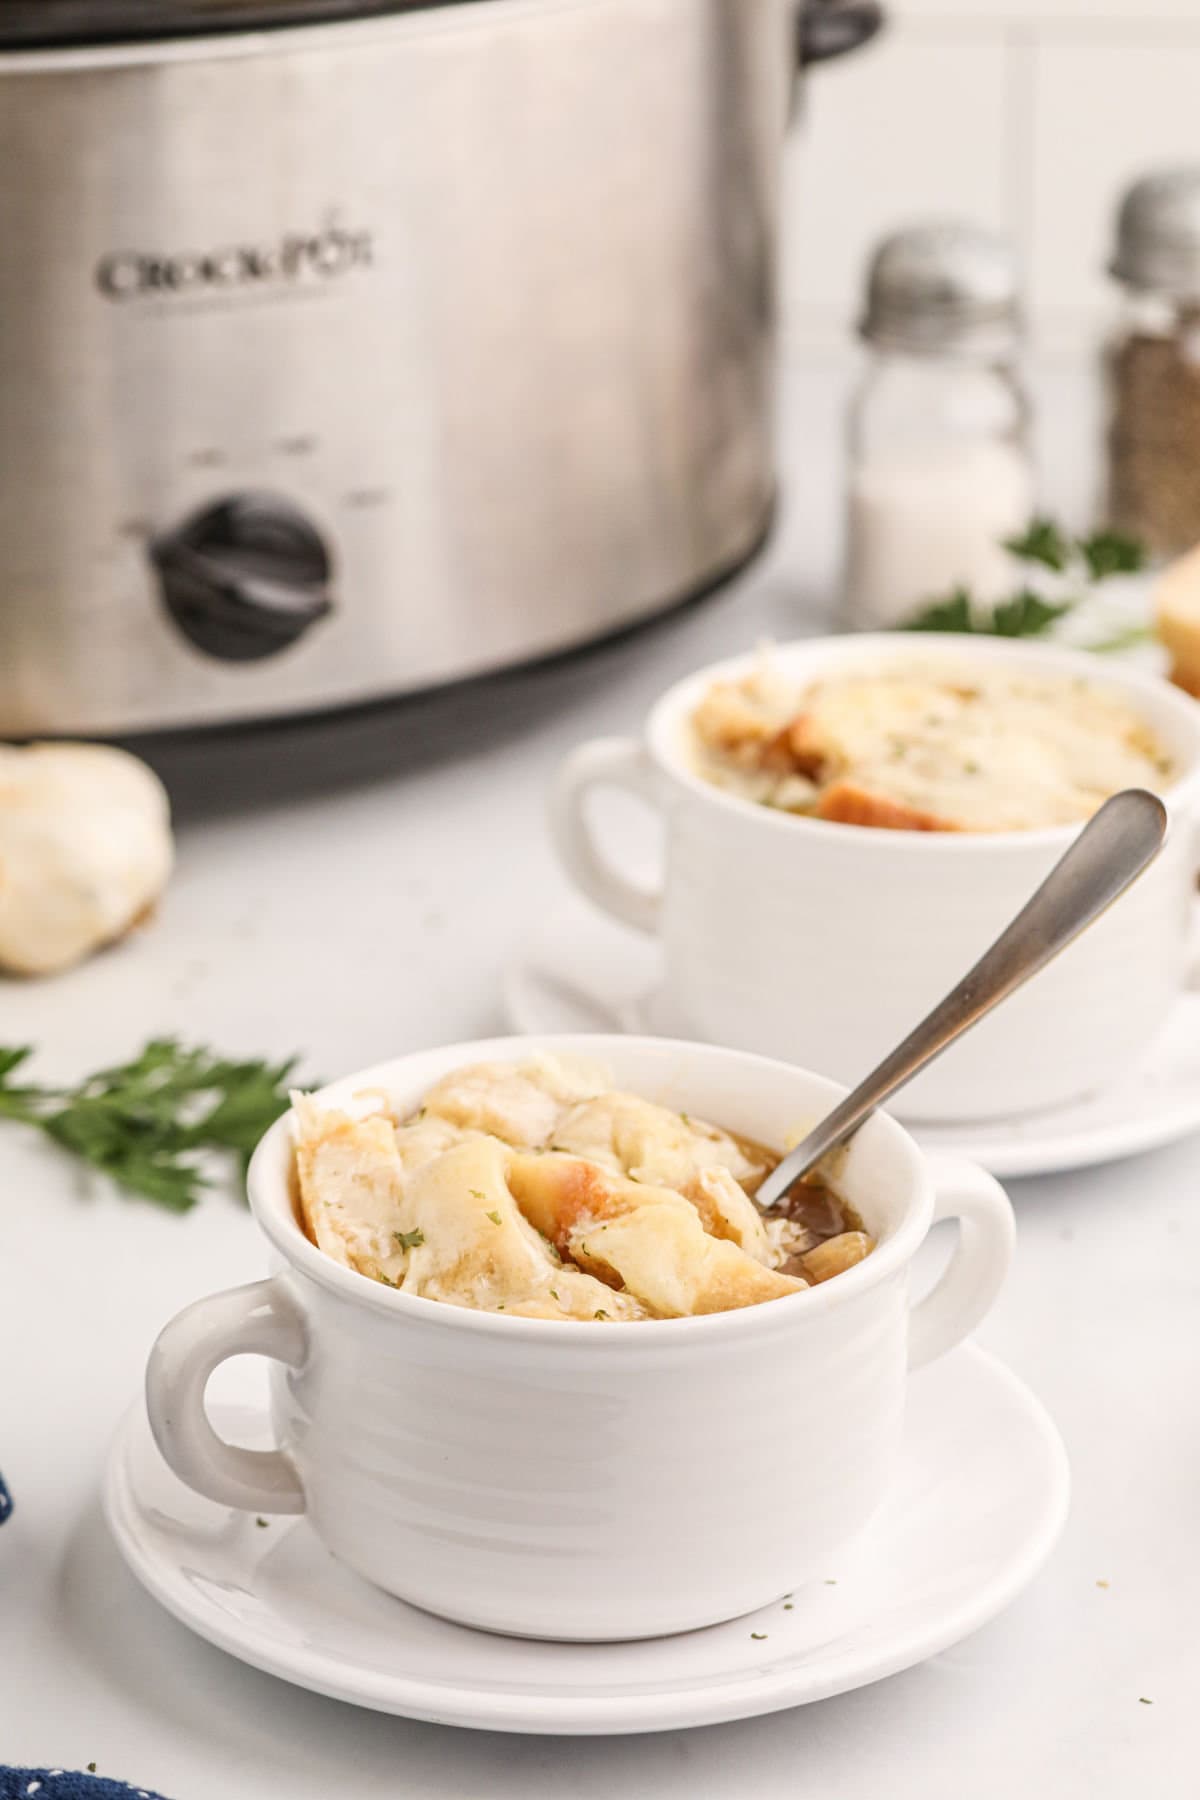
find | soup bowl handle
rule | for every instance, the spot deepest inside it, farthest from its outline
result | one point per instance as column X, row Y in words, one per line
column 605, row 762
column 977, row 1268
column 256, row 1320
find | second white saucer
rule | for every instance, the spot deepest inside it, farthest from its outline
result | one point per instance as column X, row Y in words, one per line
column 583, row 973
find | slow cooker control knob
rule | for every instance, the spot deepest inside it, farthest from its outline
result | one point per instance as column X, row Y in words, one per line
column 245, row 577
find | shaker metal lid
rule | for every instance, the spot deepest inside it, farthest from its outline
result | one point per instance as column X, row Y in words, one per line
column 1158, row 233
column 942, row 285
column 48, row 24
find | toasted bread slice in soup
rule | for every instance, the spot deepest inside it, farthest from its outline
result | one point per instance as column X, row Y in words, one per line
column 847, row 803
column 939, row 748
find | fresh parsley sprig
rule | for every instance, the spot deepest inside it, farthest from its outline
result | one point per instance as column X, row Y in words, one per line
column 1103, row 553
column 149, row 1125
column 1041, row 542
column 1024, row 615
column 1112, row 553
column 1027, row 613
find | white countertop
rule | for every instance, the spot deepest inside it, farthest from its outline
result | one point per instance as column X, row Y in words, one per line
column 361, row 923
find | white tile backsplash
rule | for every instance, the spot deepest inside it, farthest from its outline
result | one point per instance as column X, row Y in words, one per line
column 1102, row 115
column 1029, row 115
column 903, row 130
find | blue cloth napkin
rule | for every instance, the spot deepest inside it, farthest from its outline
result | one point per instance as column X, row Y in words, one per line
column 5, row 1501
column 66, row 1784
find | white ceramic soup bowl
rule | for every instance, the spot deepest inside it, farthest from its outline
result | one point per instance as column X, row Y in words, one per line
column 825, row 943
column 587, row 1480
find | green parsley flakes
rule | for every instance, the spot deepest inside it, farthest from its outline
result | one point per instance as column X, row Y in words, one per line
column 495, row 1218
column 409, row 1240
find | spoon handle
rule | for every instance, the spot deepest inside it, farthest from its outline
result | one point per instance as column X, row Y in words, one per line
column 1111, row 851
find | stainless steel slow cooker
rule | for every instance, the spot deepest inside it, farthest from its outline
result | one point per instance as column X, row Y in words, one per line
column 348, row 350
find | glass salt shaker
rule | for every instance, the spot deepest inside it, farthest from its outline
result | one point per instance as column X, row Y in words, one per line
column 1154, row 364
column 940, row 471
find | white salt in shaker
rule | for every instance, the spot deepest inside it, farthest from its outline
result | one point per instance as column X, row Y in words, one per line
column 940, row 470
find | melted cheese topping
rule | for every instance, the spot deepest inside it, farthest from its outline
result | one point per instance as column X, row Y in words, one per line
column 933, row 749
column 535, row 1189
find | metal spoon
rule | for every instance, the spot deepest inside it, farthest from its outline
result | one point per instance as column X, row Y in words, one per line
column 1111, row 851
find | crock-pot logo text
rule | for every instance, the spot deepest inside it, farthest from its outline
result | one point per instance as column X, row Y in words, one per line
column 294, row 258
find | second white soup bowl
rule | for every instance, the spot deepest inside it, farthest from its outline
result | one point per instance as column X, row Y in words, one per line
column 826, row 943
column 587, row 1480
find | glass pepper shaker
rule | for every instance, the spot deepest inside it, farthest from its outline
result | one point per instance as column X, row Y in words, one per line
column 1154, row 364
column 939, row 463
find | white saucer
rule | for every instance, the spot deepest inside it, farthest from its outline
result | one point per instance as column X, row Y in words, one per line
column 979, row 1499
column 583, row 973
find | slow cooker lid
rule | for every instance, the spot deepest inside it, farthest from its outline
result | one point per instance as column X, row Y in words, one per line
column 29, row 24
